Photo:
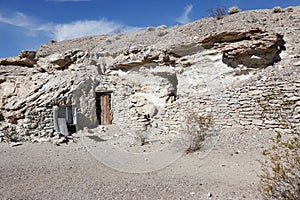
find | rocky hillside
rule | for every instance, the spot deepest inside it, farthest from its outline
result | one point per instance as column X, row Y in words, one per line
column 242, row 69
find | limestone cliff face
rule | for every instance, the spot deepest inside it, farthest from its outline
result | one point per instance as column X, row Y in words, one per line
column 242, row 70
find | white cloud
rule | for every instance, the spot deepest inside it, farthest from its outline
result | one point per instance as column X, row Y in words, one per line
column 21, row 20
column 65, row 31
column 84, row 28
column 184, row 18
column 17, row 19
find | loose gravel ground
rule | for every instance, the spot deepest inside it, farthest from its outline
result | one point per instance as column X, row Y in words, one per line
column 69, row 171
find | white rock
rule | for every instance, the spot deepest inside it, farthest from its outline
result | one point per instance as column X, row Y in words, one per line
column 297, row 63
column 208, row 109
column 14, row 144
column 149, row 109
column 60, row 140
column 41, row 140
column 161, row 27
column 255, row 57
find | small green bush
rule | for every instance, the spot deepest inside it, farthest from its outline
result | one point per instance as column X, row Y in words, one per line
column 281, row 170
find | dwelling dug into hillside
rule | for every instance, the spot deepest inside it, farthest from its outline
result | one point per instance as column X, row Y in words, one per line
column 151, row 90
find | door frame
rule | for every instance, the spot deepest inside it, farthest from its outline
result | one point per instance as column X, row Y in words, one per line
column 98, row 95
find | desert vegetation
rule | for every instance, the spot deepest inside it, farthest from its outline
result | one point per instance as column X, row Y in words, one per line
column 280, row 177
column 198, row 125
column 219, row 12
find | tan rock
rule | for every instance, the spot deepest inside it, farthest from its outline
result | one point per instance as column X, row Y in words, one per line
column 254, row 48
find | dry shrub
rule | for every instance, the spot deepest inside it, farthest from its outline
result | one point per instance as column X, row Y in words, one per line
column 281, row 170
column 219, row 12
column 198, row 126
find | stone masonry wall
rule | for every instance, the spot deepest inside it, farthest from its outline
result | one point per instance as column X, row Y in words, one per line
column 39, row 122
column 272, row 105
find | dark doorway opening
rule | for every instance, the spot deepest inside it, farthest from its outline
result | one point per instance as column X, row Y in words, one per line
column 103, row 106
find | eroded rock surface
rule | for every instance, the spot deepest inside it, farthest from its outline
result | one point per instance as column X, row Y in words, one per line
column 158, row 78
column 253, row 48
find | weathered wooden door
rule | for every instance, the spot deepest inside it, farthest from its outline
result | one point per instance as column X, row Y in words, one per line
column 104, row 112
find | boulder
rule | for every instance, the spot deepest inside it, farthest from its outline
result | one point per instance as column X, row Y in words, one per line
column 149, row 109
column 26, row 58
column 17, row 61
column 54, row 62
column 60, row 61
column 253, row 49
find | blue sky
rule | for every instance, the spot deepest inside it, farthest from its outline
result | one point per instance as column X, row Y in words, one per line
column 31, row 23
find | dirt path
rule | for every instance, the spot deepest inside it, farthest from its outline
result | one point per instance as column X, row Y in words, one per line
column 69, row 171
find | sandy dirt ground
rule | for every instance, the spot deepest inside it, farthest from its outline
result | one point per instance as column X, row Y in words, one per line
column 69, row 171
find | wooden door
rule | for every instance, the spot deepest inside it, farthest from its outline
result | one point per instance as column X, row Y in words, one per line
column 105, row 109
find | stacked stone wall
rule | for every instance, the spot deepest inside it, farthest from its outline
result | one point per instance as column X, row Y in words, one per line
column 270, row 105
column 39, row 122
